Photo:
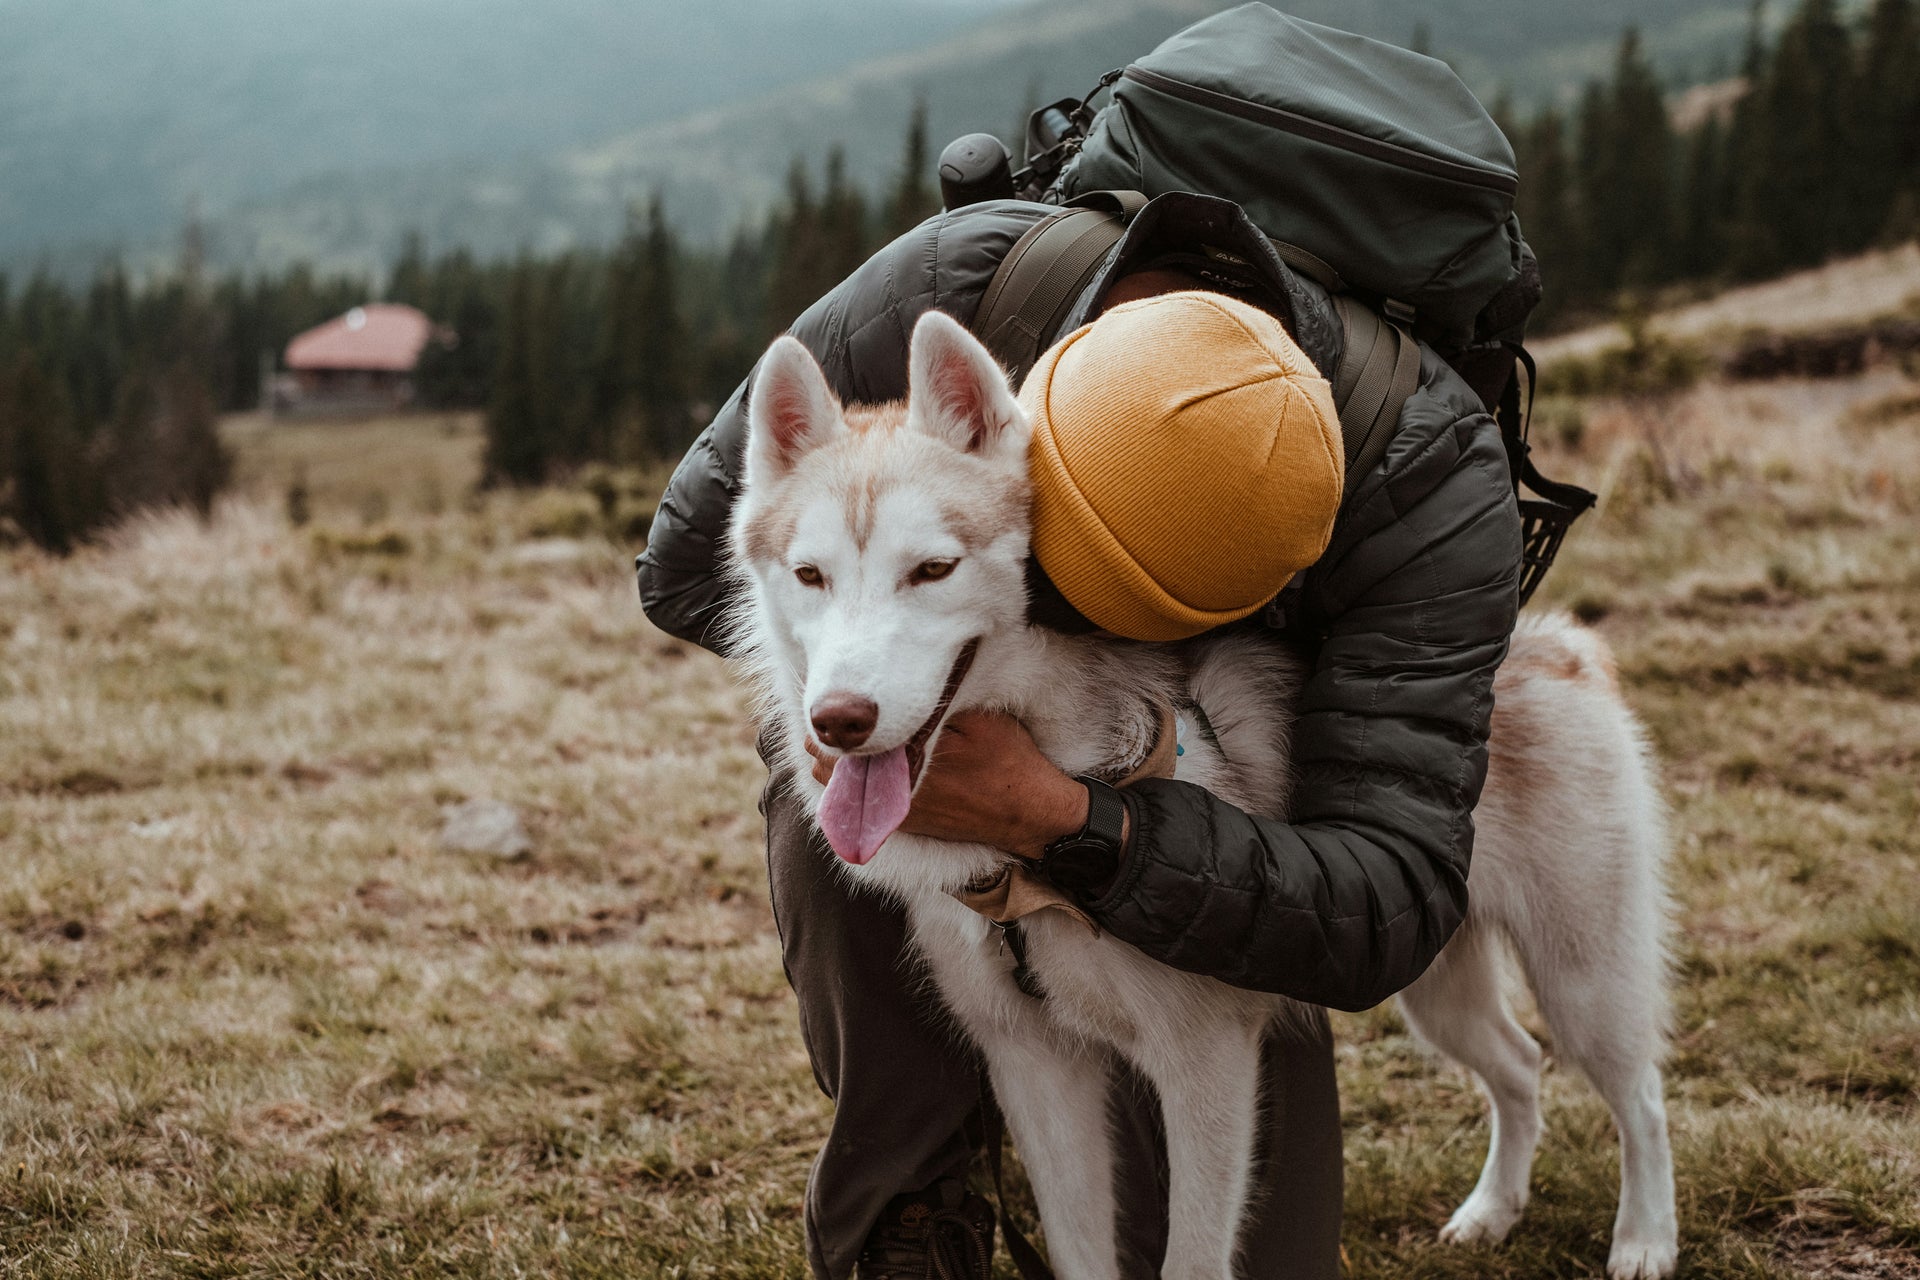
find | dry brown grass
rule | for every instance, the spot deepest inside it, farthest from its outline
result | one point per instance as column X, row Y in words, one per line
column 369, row 467
column 1842, row 292
column 257, row 1022
column 255, row 1014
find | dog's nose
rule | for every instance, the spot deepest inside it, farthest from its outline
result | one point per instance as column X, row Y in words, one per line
column 844, row 720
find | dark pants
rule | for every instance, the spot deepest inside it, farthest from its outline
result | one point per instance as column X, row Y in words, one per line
column 905, row 1088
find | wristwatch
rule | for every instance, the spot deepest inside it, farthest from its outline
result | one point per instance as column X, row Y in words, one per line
column 1087, row 860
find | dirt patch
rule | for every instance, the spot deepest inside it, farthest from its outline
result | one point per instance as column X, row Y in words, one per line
column 1850, row 1258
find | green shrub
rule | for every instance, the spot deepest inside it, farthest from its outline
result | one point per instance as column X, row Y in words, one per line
column 562, row 513
column 1647, row 364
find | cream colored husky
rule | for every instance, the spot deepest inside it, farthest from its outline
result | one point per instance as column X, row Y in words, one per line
column 881, row 554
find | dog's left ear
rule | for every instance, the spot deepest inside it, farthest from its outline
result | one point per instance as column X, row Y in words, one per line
column 790, row 410
column 958, row 394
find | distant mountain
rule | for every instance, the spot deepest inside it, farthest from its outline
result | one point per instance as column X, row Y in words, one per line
column 519, row 130
column 117, row 116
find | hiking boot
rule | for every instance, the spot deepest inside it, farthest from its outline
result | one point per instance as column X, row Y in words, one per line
column 941, row 1233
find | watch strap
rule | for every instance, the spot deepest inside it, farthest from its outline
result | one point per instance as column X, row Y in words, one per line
column 1088, row 858
column 1106, row 815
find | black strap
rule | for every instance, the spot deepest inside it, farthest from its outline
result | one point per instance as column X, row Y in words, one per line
column 1514, row 424
column 1379, row 370
column 1558, row 493
column 1052, row 264
column 1045, row 272
column 1310, row 265
column 1014, row 938
column 1124, row 203
column 1026, row 1258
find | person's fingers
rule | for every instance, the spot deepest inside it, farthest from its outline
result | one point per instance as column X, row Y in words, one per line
column 967, row 728
column 822, row 767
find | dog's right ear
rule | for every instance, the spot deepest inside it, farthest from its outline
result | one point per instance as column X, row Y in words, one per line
column 957, row 392
column 790, row 410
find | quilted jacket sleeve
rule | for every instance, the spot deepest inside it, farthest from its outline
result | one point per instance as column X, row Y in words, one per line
column 1351, row 901
column 860, row 334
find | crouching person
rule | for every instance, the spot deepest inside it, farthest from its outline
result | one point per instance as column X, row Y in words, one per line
column 1403, row 616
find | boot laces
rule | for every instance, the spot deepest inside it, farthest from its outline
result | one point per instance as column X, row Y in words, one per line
column 955, row 1250
column 945, row 1245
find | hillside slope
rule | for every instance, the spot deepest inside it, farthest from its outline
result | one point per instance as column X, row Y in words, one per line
column 116, row 115
column 1848, row 291
column 722, row 165
column 483, row 123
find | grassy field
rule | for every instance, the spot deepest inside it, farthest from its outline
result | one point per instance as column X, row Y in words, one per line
column 1846, row 291
column 255, row 1020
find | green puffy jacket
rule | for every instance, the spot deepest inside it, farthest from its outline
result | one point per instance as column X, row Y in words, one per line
column 1407, row 615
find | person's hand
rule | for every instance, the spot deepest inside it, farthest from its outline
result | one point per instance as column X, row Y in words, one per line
column 987, row 783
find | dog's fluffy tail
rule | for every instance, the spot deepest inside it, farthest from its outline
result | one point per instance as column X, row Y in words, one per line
column 1564, row 648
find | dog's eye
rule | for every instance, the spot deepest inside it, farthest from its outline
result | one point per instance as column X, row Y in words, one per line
column 809, row 576
column 931, row 571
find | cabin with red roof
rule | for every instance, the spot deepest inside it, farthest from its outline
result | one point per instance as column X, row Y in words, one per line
column 362, row 361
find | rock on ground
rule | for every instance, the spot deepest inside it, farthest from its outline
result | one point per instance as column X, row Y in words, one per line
column 486, row 827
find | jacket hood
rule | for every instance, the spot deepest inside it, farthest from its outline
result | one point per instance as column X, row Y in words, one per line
column 1216, row 237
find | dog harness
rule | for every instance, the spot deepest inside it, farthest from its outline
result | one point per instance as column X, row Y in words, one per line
column 1016, row 891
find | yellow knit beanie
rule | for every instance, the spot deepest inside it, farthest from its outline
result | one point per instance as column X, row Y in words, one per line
column 1186, row 463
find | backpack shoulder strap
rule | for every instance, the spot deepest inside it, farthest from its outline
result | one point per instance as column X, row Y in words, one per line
column 1049, row 266
column 1045, row 272
column 1379, row 370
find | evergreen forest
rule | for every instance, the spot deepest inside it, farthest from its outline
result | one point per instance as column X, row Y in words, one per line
column 111, row 393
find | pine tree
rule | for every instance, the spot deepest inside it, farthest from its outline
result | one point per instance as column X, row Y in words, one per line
column 103, row 344
column 1753, row 55
column 246, row 344
column 620, row 428
column 1592, row 172
column 1700, row 234
column 1751, row 247
column 662, row 357
column 1545, row 207
column 567, row 305
column 517, row 450
column 1799, row 163
column 743, row 293
column 914, row 198
column 738, row 329
column 162, row 445
column 129, row 447
column 409, row 281
column 45, row 490
column 156, row 437
column 644, row 368
column 46, row 321
column 796, row 250
column 1626, row 196
column 1889, row 121
column 843, row 220
column 468, row 299
column 195, row 464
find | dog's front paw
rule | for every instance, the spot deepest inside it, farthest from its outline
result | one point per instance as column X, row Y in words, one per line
column 1481, row 1220
column 1642, row 1260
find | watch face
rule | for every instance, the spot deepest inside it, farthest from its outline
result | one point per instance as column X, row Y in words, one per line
column 1084, row 864
column 1088, row 859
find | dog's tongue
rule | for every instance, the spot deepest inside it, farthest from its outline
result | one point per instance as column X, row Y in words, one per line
column 866, row 801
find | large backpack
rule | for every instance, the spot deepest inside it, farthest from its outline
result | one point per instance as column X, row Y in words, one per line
column 1374, row 170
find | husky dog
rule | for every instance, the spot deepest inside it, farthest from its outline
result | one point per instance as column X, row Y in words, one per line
column 880, row 553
